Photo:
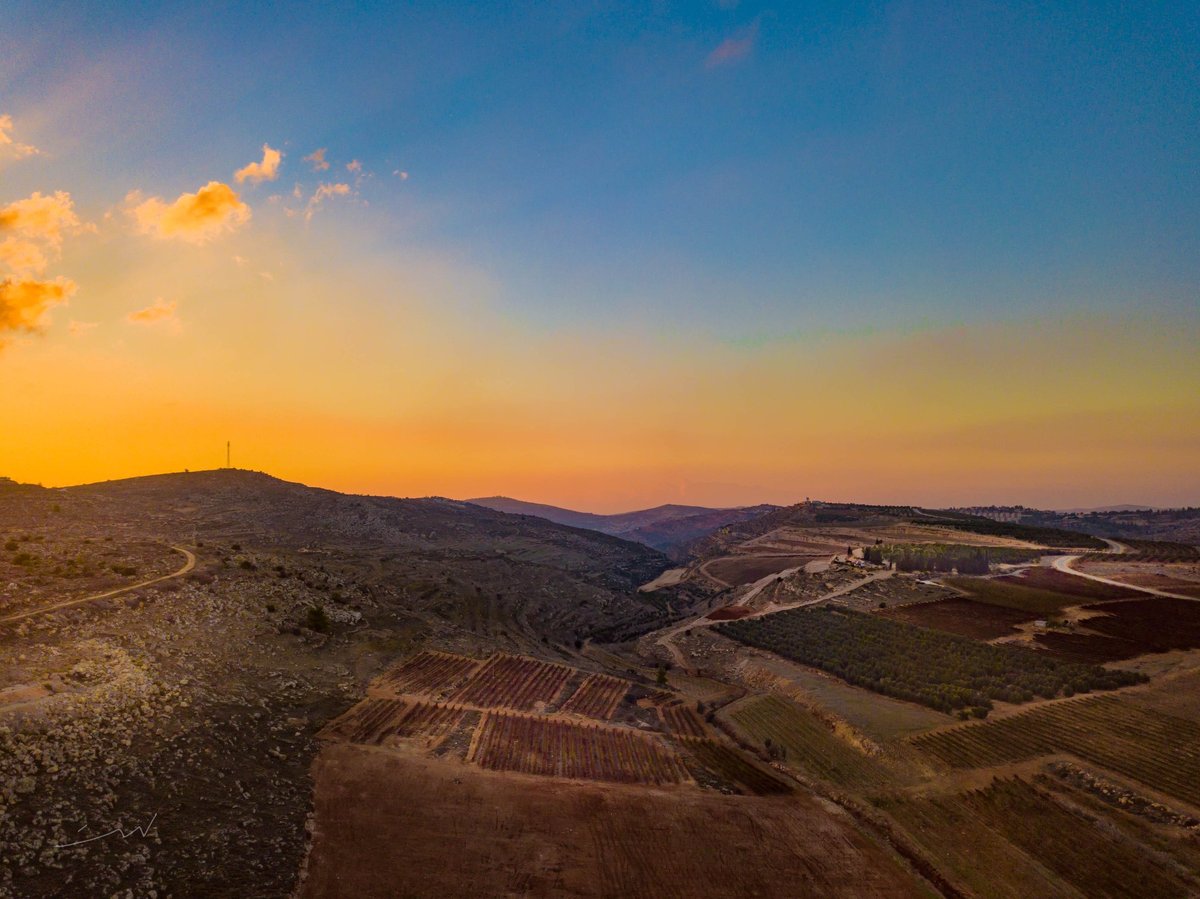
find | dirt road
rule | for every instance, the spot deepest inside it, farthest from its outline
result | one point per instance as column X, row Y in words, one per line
column 667, row 639
column 1063, row 564
column 188, row 566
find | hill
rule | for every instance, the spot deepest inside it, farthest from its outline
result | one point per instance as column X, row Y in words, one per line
column 666, row 528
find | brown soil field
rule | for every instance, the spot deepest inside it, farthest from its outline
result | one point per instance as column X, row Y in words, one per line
column 682, row 720
column 597, row 697
column 387, row 825
column 433, row 673
column 1060, row 582
column 552, row 747
column 515, row 682
column 730, row 613
column 980, row 621
column 1154, row 579
column 1130, row 628
column 738, row 570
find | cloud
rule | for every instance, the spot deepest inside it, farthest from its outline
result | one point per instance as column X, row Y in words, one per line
column 33, row 229
column 317, row 159
column 24, row 303
column 324, row 192
column 733, row 48
column 9, row 146
column 354, row 166
column 76, row 328
column 267, row 170
column 160, row 314
column 213, row 210
column 403, row 176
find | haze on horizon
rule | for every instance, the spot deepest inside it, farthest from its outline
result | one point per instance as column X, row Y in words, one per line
column 607, row 258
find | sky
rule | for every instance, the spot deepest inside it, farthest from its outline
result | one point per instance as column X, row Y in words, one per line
column 607, row 255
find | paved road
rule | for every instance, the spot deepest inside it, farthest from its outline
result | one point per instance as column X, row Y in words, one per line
column 1063, row 564
column 188, row 566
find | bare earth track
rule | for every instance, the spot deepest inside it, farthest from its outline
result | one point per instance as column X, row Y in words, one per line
column 31, row 613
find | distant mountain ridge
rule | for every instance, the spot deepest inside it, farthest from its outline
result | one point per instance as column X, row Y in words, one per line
column 666, row 528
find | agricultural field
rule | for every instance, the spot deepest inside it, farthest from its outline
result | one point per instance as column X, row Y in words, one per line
column 682, row 720
column 597, row 697
column 513, row 682
column 396, row 826
column 977, row 620
column 948, row 557
column 429, row 673
column 801, row 740
column 375, row 721
column 1039, row 595
column 730, row 765
column 1045, row 536
column 556, row 748
column 746, row 569
column 1155, row 551
column 1012, row 840
column 943, row 671
column 1144, row 745
column 879, row 717
column 1126, row 629
column 1041, row 578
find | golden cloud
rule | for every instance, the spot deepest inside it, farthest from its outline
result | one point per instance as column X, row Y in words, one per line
column 25, row 302
column 317, row 158
column 35, row 227
column 160, row 312
column 213, row 210
column 267, row 170
column 324, row 192
column 10, row 146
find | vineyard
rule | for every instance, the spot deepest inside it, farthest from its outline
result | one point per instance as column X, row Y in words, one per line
column 556, row 748
column 597, row 697
column 977, row 620
column 1018, row 594
column 1154, row 748
column 513, row 682
column 805, row 742
column 1130, row 629
column 733, row 766
column 374, row 720
column 1003, row 841
column 682, row 720
column 429, row 673
column 941, row 670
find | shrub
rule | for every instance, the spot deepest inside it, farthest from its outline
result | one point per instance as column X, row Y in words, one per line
column 317, row 620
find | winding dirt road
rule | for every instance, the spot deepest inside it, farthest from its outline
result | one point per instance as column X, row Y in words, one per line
column 667, row 639
column 1063, row 564
column 188, row 566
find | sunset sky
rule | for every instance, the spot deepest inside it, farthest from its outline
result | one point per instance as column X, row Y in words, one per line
column 607, row 255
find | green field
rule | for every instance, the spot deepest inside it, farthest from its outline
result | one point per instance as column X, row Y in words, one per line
column 806, row 743
column 941, row 670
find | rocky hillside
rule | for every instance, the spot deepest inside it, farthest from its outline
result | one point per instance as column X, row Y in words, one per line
column 666, row 528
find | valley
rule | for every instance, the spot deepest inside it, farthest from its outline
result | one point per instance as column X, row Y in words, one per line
column 223, row 678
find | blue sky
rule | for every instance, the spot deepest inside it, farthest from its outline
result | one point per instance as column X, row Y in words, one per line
column 625, row 235
column 848, row 165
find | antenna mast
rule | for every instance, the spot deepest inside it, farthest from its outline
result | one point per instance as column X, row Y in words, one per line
column 228, row 454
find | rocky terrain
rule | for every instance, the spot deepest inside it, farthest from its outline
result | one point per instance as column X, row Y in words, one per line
column 161, row 738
